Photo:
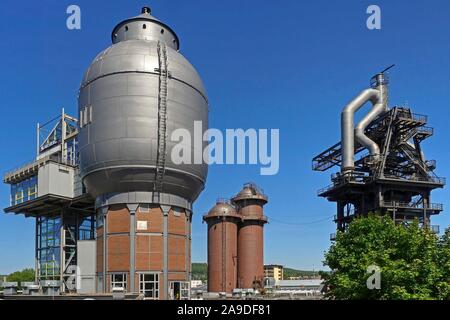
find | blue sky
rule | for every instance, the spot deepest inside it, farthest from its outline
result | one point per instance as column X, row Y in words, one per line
column 290, row 65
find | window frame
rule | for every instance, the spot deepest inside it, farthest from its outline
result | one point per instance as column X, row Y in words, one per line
column 154, row 290
column 113, row 281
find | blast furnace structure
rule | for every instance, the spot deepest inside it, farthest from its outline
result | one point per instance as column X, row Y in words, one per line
column 391, row 175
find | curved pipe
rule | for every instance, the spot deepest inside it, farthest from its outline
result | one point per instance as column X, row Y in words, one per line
column 347, row 126
column 378, row 108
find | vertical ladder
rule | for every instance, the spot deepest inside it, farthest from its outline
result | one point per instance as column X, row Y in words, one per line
column 162, row 117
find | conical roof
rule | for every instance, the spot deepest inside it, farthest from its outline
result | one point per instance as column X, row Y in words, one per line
column 137, row 31
column 250, row 191
column 222, row 208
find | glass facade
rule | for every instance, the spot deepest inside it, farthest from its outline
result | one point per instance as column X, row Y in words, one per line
column 86, row 230
column 52, row 232
column 49, row 247
column 24, row 190
column 72, row 151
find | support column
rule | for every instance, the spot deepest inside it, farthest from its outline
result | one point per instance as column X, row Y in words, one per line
column 62, row 244
column 132, row 208
column 36, row 252
column 104, row 211
column 394, row 213
column 188, row 245
column 165, row 209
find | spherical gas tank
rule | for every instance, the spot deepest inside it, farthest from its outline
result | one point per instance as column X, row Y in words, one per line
column 132, row 97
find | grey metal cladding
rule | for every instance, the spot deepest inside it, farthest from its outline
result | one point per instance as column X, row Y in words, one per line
column 118, row 149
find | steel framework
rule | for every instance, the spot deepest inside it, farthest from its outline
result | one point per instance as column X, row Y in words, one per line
column 398, row 182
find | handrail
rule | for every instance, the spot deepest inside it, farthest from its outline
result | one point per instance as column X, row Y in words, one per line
column 37, row 162
column 398, row 204
column 339, row 179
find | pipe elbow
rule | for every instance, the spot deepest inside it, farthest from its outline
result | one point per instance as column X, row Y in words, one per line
column 359, row 129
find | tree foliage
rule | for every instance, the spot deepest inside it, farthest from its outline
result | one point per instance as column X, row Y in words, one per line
column 413, row 261
column 26, row 275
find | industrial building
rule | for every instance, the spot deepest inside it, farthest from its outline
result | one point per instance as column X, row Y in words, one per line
column 109, row 203
column 236, row 241
column 274, row 271
column 383, row 166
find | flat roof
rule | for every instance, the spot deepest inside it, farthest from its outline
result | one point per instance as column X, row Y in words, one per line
column 299, row 283
column 273, row 265
column 51, row 204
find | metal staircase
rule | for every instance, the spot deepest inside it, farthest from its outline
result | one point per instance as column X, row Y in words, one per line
column 412, row 155
column 162, row 117
column 386, row 145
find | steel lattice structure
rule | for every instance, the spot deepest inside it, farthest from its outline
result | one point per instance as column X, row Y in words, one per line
column 397, row 181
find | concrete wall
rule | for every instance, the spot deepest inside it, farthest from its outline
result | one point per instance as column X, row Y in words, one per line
column 86, row 261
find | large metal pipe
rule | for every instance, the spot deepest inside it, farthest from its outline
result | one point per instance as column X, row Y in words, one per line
column 379, row 107
column 348, row 126
column 378, row 97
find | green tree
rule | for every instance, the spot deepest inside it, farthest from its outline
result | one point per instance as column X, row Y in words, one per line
column 26, row 275
column 411, row 261
column 444, row 285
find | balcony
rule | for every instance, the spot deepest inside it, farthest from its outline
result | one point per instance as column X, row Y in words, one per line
column 405, row 114
column 412, row 205
column 342, row 179
column 432, row 179
column 30, row 169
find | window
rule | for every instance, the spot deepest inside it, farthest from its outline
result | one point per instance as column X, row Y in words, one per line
column 72, row 151
column 126, row 28
column 184, row 290
column 87, row 228
column 19, row 196
column 49, row 249
column 24, row 191
column 179, row 290
column 99, row 220
column 149, row 285
column 32, row 191
column 119, row 280
column 100, row 283
column 162, row 31
column 85, row 116
column 144, row 27
column 144, row 207
column 177, row 211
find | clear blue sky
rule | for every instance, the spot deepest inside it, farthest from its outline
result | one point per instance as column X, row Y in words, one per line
column 290, row 65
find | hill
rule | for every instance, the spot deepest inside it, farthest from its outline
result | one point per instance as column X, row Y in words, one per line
column 200, row 272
